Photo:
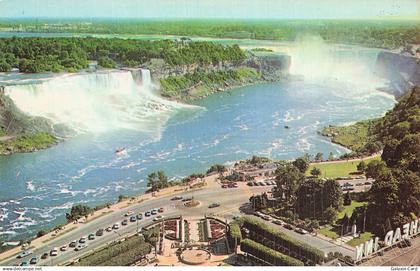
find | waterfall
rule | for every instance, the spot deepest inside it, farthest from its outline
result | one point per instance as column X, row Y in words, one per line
column 96, row 102
column 145, row 77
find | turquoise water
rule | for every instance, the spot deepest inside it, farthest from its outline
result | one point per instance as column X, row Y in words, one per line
column 37, row 188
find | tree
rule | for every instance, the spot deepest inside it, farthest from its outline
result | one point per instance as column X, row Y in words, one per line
column 315, row 172
column 78, row 211
column 106, row 62
column 302, row 164
column 361, row 167
column 347, row 199
column 376, row 168
column 332, row 194
column 157, row 180
column 217, row 168
column 331, row 156
column 330, row 215
column 288, row 178
column 319, row 156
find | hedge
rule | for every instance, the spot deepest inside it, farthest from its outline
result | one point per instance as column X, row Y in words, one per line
column 118, row 254
column 280, row 240
column 268, row 255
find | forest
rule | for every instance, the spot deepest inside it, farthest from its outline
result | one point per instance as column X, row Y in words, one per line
column 372, row 33
column 32, row 55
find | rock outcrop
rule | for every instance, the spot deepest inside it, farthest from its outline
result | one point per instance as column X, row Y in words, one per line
column 403, row 72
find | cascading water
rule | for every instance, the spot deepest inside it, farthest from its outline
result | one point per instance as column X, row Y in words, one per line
column 96, row 102
column 350, row 70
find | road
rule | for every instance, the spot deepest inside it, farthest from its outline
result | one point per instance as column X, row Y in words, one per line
column 231, row 200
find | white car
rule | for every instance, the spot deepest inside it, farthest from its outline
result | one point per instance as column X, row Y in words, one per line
column 54, row 252
column 159, row 217
column 116, row 226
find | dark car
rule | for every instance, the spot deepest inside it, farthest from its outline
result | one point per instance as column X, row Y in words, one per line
column 34, row 260
column 133, row 219
column 214, row 205
column 187, row 199
column 250, row 183
column 100, row 232
column 24, row 264
column 73, row 243
column 139, row 216
column 45, row 256
column 91, row 236
column 124, row 222
column 147, row 213
column 288, row 226
column 176, row 198
column 154, row 212
column 160, row 210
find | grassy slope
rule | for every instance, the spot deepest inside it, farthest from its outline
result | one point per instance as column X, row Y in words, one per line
column 354, row 136
column 28, row 143
column 193, row 86
column 338, row 169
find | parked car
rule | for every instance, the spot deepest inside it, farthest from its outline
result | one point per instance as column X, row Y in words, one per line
column 368, row 183
column 301, row 231
column 154, row 212
column 25, row 263
column 139, row 216
column 266, row 217
column 83, row 240
column 148, row 213
column 63, row 248
column 225, row 186
column 116, row 226
column 24, row 254
column 176, row 198
column 73, row 243
column 54, row 252
column 160, row 210
column 259, row 214
column 159, row 217
column 80, row 247
column 108, row 229
column 261, row 183
column 124, row 222
column 34, row 260
column 250, row 183
column 214, row 205
column 100, row 232
column 91, row 236
column 288, row 226
column 267, row 183
column 45, row 255
column 133, row 219
column 277, row 222
column 187, row 199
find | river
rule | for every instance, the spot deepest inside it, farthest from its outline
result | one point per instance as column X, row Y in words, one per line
column 38, row 188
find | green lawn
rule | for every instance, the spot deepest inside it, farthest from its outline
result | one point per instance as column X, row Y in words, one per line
column 329, row 232
column 366, row 236
column 339, row 169
column 350, row 208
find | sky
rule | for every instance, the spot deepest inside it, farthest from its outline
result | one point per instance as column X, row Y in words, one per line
column 229, row 9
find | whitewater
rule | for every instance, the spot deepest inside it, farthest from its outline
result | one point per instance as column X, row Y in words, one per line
column 113, row 109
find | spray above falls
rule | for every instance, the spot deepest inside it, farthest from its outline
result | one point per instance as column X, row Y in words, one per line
column 97, row 102
column 319, row 62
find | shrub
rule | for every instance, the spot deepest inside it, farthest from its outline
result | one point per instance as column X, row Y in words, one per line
column 268, row 255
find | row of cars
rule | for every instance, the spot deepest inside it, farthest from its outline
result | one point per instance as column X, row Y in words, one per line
column 280, row 223
column 80, row 244
column 261, row 183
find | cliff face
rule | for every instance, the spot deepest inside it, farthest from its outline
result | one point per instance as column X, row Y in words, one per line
column 268, row 65
column 403, row 71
